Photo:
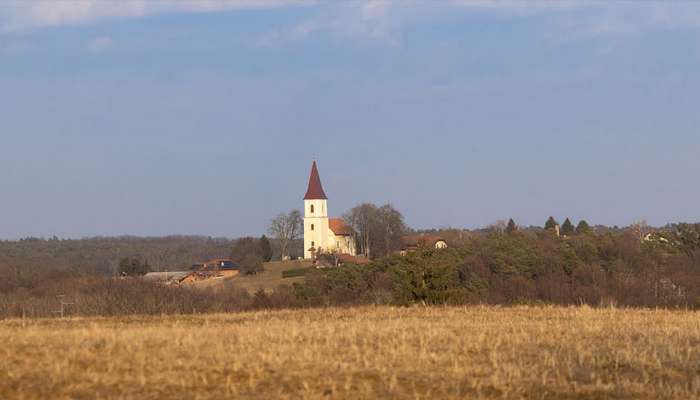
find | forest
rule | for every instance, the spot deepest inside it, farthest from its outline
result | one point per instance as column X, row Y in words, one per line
column 618, row 268
column 492, row 266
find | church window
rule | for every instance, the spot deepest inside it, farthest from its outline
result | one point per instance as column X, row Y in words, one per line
column 312, row 209
column 312, row 243
column 312, row 227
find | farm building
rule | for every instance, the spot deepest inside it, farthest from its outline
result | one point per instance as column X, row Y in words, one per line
column 220, row 266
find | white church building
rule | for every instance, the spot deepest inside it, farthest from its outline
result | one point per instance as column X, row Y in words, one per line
column 321, row 233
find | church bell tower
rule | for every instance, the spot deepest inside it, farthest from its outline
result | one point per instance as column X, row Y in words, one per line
column 316, row 236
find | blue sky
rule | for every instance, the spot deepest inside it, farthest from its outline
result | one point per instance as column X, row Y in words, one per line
column 203, row 117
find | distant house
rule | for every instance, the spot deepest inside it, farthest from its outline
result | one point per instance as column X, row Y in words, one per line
column 411, row 243
column 216, row 268
column 655, row 237
column 219, row 267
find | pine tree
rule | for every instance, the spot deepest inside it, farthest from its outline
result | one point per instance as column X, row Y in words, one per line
column 551, row 224
column 567, row 229
column 511, row 226
column 133, row 267
column 265, row 248
column 583, row 227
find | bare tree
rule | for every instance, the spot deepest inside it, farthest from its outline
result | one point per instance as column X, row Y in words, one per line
column 378, row 229
column 391, row 225
column 286, row 227
column 641, row 229
column 360, row 218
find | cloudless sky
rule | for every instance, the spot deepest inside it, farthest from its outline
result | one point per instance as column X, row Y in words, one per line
column 203, row 117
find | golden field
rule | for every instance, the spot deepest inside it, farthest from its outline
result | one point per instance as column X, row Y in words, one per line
column 358, row 353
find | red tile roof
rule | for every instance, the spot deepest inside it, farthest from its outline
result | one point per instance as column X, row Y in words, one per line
column 339, row 227
column 315, row 190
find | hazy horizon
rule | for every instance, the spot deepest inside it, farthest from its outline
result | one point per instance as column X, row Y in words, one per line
column 198, row 117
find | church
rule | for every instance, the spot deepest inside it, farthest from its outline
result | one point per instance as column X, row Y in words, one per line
column 321, row 233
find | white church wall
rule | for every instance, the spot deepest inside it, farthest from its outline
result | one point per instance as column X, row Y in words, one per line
column 316, row 228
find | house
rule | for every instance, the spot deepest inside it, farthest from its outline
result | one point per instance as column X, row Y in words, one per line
column 655, row 237
column 323, row 234
column 219, row 267
column 411, row 243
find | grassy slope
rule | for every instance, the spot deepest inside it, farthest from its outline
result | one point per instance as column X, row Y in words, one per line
column 267, row 280
column 472, row 352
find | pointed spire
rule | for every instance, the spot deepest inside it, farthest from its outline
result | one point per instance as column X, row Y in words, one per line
column 315, row 190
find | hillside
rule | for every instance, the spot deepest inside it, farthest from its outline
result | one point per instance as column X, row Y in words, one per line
column 268, row 280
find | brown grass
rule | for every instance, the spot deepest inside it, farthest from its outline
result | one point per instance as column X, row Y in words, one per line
column 269, row 279
column 372, row 352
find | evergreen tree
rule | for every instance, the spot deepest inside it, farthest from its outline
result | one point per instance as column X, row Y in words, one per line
column 583, row 227
column 511, row 227
column 133, row 267
column 252, row 264
column 567, row 229
column 265, row 248
column 243, row 247
column 551, row 224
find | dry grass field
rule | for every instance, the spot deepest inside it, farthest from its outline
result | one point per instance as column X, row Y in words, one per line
column 360, row 353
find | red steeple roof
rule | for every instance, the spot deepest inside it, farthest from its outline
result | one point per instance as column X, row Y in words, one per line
column 315, row 190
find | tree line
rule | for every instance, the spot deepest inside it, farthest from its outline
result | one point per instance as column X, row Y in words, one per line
column 504, row 264
column 527, row 267
column 494, row 267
